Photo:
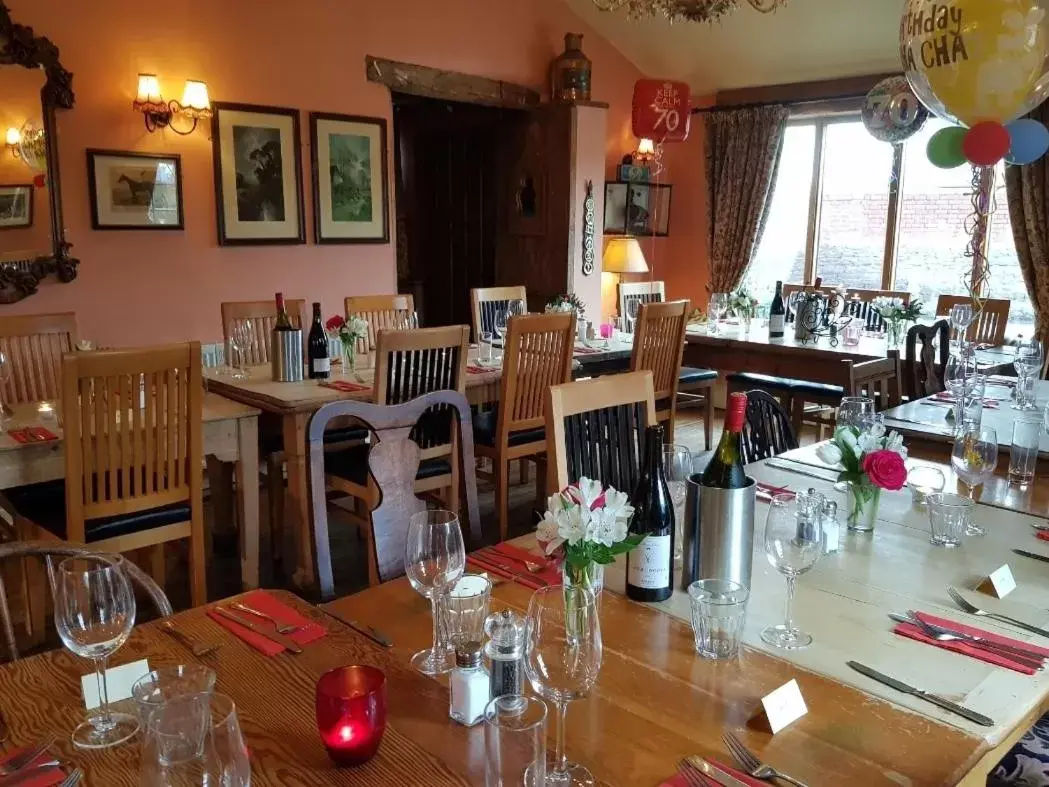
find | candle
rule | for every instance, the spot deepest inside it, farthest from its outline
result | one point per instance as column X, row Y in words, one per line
column 46, row 411
column 351, row 713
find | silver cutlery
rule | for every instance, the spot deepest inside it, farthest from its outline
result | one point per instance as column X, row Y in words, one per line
column 283, row 628
column 1032, row 555
column 371, row 633
column 974, row 610
column 533, row 568
column 692, row 776
column 796, row 471
column 953, row 707
column 273, row 636
column 711, row 772
column 752, row 765
column 28, row 774
column 195, row 648
column 1027, row 658
column 72, row 779
column 25, row 758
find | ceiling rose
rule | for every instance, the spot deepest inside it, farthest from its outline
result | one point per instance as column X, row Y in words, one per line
column 685, row 10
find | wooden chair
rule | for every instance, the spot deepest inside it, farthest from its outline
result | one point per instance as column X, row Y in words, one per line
column 393, row 465
column 382, row 312
column 879, row 379
column 537, row 354
column 922, row 369
column 640, row 291
column 989, row 326
column 34, row 345
column 596, row 428
column 262, row 315
column 767, row 430
column 659, row 341
column 486, row 301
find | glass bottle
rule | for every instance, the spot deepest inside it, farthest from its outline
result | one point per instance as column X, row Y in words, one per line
column 468, row 691
column 506, row 651
column 570, row 72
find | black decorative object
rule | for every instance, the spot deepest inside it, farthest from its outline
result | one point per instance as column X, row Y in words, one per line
column 589, row 216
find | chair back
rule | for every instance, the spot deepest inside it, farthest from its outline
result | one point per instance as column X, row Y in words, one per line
column 659, row 341
column 641, row 292
column 858, row 304
column 922, row 368
column 381, row 312
column 767, row 430
column 133, row 436
column 989, row 326
column 485, row 302
column 34, row 345
column 262, row 317
column 596, row 428
column 393, row 462
column 878, row 379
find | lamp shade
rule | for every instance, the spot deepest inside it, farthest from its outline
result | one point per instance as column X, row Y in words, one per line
column 623, row 255
column 148, row 89
column 645, row 147
column 195, row 96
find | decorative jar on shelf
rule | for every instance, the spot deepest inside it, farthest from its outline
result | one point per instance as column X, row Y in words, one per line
column 570, row 72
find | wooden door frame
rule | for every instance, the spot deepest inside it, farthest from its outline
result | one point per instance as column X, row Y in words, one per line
column 448, row 85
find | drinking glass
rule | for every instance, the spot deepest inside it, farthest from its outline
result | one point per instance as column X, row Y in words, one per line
column 94, row 615
column 564, row 658
column 1023, row 451
column 949, row 518
column 1028, row 361
column 633, row 306
column 974, row 458
column 515, row 308
column 719, row 610
column 434, row 561
column 677, row 464
column 924, row 481
column 486, row 352
column 465, row 609
column 855, row 411
column 792, row 550
column 499, row 321
column 5, row 375
column 968, row 393
column 515, row 742
column 242, row 339
column 962, row 317
column 229, row 753
column 853, row 332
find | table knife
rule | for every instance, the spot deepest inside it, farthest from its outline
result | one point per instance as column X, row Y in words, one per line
column 796, row 471
column 371, row 633
column 1030, row 658
column 1033, row 555
column 712, row 771
column 953, row 707
column 273, row 636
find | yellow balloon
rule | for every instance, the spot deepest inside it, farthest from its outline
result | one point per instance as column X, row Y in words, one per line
column 975, row 60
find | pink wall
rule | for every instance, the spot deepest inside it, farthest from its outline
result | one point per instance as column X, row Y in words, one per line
column 142, row 287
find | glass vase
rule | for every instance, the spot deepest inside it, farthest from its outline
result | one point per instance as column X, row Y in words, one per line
column 349, row 358
column 894, row 332
column 591, row 576
column 863, row 502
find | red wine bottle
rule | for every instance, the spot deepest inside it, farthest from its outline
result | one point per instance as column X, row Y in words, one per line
column 317, row 348
column 777, row 313
column 649, row 567
column 283, row 321
column 725, row 470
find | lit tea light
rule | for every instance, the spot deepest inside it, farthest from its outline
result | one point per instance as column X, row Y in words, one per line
column 351, row 713
column 46, row 411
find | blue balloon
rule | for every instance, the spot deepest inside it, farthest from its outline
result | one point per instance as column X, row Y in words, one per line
column 1030, row 141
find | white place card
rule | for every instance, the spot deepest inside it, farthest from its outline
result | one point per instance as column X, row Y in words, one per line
column 119, row 681
column 999, row 583
column 783, row 706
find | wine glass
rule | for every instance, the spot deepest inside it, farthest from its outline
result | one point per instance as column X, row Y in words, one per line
column 5, row 375
column 792, row 548
column 94, row 615
column 974, row 459
column 499, row 322
column 855, row 411
column 514, row 308
column 633, row 306
column 564, row 658
column 1028, row 363
column 677, row 465
column 434, row 559
column 962, row 317
column 242, row 341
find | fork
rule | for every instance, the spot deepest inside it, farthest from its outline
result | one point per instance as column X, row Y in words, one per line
column 72, row 779
column 198, row 650
column 974, row 610
column 752, row 764
column 283, row 628
column 693, row 777
column 1019, row 655
column 24, row 758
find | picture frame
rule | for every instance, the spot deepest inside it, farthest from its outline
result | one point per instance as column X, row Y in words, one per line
column 350, row 176
column 16, row 206
column 639, row 209
column 129, row 190
column 258, row 175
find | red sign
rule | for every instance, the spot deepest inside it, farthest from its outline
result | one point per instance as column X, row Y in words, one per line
column 662, row 110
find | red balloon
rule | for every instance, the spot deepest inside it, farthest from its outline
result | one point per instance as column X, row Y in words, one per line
column 662, row 110
column 986, row 143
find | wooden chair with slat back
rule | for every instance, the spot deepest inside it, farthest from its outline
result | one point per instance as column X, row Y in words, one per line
column 767, row 430
column 659, row 341
column 922, row 370
column 989, row 327
column 486, row 301
column 33, row 345
column 537, row 354
column 382, row 312
column 393, row 464
column 262, row 316
column 640, row 291
column 596, row 428
column 858, row 304
column 878, row 379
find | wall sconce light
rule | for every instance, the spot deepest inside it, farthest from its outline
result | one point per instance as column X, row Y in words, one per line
column 159, row 113
column 13, row 140
column 645, row 151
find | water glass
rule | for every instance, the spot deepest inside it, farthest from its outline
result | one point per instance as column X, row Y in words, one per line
column 465, row 609
column 974, row 459
column 515, row 742
column 949, row 516
column 633, row 307
column 228, row 751
column 434, row 560
column 923, row 482
column 499, row 322
column 853, row 332
column 719, row 610
column 968, row 393
column 677, row 465
column 1023, row 451
column 485, row 351
column 855, row 411
column 792, row 550
column 1028, row 363
column 155, row 696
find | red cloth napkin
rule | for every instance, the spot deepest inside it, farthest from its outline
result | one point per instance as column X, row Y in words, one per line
column 32, row 434
column 46, row 777
column 772, row 490
column 478, row 369
column 586, row 350
column 346, row 387
column 677, row 780
column 492, row 561
column 264, row 602
column 911, row 631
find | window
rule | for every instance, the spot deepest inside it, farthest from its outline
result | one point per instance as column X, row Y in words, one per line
column 854, row 213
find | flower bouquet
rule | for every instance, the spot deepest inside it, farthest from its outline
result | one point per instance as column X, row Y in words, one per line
column 871, row 461
column 896, row 315
column 743, row 306
column 568, row 302
column 348, row 332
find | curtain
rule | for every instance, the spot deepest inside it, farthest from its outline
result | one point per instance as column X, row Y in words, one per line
column 742, row 156
column 1028, row 190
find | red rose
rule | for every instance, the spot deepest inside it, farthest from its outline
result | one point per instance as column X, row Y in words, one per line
column 335, row 323
column 885, row 469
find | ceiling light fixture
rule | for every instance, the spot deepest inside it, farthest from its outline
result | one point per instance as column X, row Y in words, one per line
column 686, row 10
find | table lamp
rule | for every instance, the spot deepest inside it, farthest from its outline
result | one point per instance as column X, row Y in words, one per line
column 623, row 255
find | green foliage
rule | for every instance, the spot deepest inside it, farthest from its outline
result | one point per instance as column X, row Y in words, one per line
column 585, row 552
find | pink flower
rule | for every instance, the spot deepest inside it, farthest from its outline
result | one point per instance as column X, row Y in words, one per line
column 885, row 469
column 335, row 323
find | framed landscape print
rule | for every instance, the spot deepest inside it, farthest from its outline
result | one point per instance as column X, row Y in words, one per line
column 16, row 206
column 350, row 203
column 258, row 174
column 134, row 191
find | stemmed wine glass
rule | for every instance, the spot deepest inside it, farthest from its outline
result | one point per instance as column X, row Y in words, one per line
column 94, row 615
column 792, row 546
column 974, row 459
column 241, row 339
column 855, row 411
column 434, row 559
column 564, row 659
column 1028, row 363
column 633, row 307
column 5, row 375
column 962, row 317
column 677, row 465
column 499, row 323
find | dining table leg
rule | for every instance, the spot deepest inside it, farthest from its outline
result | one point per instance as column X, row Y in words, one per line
column 297, row 509
column 247, row 474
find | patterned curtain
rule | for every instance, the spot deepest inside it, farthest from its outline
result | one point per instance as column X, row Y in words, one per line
column 1028, row 191
column 743, row 148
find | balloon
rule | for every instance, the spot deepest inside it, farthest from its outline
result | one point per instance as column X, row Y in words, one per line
column 975, row 60
column 891, row 111
column 986, row 144
column 945, row 147
column 1029, row 140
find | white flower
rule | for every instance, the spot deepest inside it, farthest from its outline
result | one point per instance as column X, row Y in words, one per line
column 867, row 442
column 829, row 453
column 589, row 491
column 846, row 439
column 548, row 533
column 894, row 442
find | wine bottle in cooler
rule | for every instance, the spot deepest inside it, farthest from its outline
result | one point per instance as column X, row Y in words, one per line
column 317, row 347
column 283, row 321
column 650, row 565
column 777, row 313
column 725, row 470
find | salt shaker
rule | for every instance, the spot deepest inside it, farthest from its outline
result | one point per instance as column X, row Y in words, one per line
column 831, row 527
column 506, row 652
column 468, row 693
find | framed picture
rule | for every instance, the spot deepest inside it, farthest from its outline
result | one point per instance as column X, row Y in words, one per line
column 134, row 191
column 16, row 206
column 258, row 174
column 641, row 209
column 350, row 202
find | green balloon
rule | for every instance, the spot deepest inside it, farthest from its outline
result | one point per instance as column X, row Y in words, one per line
column 945, row 147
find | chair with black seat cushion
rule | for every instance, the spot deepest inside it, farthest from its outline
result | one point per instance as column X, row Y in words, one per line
column 923, row 367
column 486, row 302
column 394, row 465
column 767, row 430
column 659, row 341
column 538, row 354
column 878, row 379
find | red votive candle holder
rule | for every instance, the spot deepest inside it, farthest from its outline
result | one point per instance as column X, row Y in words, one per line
column 351, row 713
column 606, row 330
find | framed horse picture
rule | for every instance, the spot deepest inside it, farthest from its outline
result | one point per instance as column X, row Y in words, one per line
column 134, row 191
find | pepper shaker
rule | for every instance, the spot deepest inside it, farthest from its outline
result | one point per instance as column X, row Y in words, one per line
column 506, row 652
